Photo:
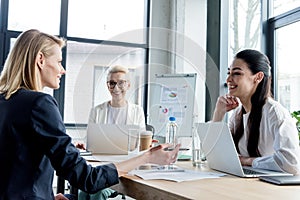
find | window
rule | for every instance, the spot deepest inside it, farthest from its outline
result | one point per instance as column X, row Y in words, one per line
column 99, row 34
column 104, row 19
column 241, row 23
column 87, row 66
column 282, row 6
column 245, row 32
column 44, row 16
column 242, row 28
column 288, row 66
column 282, row 46
column 245, row 25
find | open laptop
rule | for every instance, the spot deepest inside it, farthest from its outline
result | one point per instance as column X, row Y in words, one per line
column 221, row 154
column 108, row 138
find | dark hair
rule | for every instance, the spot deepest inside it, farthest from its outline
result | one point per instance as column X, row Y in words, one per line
column 257, row 62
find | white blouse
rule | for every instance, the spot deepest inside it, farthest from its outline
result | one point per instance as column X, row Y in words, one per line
column 117, row 115
column 278, row 140
column 134, row 115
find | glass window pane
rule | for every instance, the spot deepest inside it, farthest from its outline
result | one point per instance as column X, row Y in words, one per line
column 244, row 30
column 86, row 68
column 288, row 66
column 45, row 15
column 104, row 19
column 282, row 6
column 244, row 21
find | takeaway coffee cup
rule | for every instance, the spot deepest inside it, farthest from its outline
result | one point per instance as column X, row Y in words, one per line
column 145, row 140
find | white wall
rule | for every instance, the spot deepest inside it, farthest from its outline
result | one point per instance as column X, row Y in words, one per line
column 178, row 43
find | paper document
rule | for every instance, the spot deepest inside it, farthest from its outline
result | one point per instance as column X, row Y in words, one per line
column 178, row 175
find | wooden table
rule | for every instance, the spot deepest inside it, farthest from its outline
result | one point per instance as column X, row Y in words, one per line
column 227, row 187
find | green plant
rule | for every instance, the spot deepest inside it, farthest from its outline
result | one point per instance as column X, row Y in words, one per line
column 296, row 115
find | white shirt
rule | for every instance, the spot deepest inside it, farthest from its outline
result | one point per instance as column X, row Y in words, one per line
column 116, row 115
column 278, row 140
column 135, row 114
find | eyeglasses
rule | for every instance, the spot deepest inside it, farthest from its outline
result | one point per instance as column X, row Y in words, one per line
column 112, row 84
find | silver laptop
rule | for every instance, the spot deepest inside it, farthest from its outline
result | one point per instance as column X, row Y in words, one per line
column 108, row 138
column 221, row 154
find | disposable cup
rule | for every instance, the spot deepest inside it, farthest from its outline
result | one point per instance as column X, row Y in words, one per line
column 145, row 140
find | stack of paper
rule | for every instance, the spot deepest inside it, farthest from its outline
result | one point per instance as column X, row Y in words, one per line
column 177, row 174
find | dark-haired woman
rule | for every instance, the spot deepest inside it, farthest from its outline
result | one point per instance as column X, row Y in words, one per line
column 263, row 131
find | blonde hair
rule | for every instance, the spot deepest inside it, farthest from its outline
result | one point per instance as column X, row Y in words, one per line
column 117, row 69
column 20, row 68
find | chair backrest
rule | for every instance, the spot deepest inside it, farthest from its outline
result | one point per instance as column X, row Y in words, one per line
column 150, row 128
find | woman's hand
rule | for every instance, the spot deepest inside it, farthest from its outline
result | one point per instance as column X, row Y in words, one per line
column 224, row 104
column 60, row 196
column 246, row 161
column 79, row 145
column 162, row 154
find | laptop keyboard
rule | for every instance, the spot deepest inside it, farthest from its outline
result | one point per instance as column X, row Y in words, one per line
column 249, row 171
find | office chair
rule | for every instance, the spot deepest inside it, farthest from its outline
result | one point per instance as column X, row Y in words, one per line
column 150, row 128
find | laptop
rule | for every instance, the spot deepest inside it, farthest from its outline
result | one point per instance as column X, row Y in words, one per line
column 221, row 154
column 108, row 138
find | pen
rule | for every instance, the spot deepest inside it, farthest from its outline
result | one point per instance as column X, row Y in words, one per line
column 180, row 149
column 156, row 148
column 169, row 169
column 184, row 149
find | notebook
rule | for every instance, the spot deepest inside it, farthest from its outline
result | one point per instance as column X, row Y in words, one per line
column 221, row 154
column 281, row 180
column 108, row 138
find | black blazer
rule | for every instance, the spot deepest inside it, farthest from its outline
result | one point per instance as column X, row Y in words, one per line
column 33, row 142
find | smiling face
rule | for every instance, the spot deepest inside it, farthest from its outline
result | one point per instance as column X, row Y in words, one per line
column 51, row 68
column 121, row 85
column 241, row 82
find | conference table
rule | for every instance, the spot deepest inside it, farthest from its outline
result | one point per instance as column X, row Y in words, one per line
column 225, row 187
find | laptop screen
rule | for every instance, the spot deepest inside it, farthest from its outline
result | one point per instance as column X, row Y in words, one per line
column 108, row 138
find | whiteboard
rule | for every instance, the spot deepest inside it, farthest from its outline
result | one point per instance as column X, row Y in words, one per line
column 173, row 95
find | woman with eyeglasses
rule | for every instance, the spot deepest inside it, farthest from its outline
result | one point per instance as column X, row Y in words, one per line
column 115, row 111
column 118, row 110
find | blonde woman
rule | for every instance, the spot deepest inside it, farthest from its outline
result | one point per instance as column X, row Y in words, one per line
column 118, row 110
column 33, row 139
